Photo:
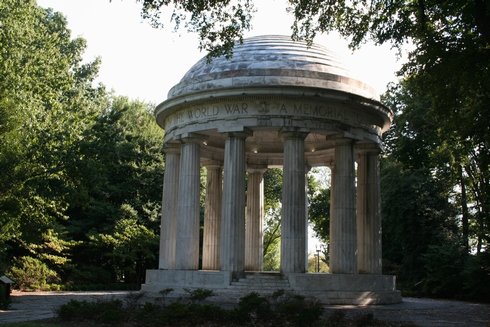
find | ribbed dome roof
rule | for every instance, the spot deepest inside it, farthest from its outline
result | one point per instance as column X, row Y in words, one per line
column 272, row 61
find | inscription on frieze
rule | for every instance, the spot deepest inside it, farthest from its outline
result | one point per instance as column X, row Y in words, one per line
column 262, row 110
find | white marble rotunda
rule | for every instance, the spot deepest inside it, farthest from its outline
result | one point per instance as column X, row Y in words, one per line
column 275, row 103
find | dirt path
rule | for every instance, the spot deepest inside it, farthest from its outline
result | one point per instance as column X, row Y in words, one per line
column 42, row 305
column 425, row 312
column 421, row 312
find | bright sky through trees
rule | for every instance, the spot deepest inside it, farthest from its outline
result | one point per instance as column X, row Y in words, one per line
column 141, row 62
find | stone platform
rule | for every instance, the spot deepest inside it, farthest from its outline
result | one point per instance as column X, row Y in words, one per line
column 356, row 289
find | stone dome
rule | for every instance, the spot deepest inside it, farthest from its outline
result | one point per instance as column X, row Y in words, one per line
column 269, row 85
column 272, row 61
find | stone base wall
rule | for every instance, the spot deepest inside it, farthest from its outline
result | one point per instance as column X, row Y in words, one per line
column 157, row 280
column 341, row 282
column 354, row 289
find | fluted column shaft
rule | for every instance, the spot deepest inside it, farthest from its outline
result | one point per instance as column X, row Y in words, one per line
column 212, row 219
column 254, row 220
column 168, row 224
column 187, row 250
column 232, row 256
column 293, row 226
column 343, row 233
column 368, row 213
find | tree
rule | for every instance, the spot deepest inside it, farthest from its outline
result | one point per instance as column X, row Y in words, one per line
column 119, row 179
column 426, row 210
column 218, row 23
column 133, row 246
column 272, row 208
column 73, row 159
column 449, row 64
column 46, row 102
column 319, row 212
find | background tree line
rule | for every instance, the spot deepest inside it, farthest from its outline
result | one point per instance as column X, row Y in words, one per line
column 81, row 169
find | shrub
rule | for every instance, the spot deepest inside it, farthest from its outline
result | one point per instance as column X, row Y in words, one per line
column 476, row 277
column 254, row 307
column 337, row 318
column 4, row 299
column 107, row 312
column 298, row 310
column 199, row 294
column 31, row 273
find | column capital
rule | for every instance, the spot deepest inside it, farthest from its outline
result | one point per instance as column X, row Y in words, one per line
column 173, row 148
column 368, row 148
column 212, row 164
column 340, row 140
column 293, row 133
column 193, row 138
column 243, row 134
column 256, row 168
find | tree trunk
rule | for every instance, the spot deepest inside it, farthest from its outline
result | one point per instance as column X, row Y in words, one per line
column 464, row 210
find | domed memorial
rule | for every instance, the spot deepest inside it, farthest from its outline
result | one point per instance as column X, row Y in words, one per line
column 275, row 103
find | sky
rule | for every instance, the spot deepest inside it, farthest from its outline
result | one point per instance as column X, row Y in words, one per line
column 143, row 63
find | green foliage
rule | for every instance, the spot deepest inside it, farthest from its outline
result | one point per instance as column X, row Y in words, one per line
column 272, row 240
column 76, row 163
column 429, row 162
column 133, row 247
column 4, row 297
column 32, row 274
column 218, row 23
column 297, row 310
column 254, row 307
column 198, row 294
column 272, row 230
column 443, row 270
column 252, row 310
column 107, row 312
column 46, row 102
column 476, row 277
column 313, row 263
column 272, row 188
column 442, row 102
column 414, row 218
column 319, row 213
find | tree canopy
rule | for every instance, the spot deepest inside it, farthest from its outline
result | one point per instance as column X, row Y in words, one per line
column 73, row 158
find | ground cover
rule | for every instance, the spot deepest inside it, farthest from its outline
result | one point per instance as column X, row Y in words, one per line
column 280, row 309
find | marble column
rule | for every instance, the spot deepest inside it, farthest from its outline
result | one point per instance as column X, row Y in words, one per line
column 343, row 233
column 368, row 211
column 293, row 226
column 232, row 254
column 187, row 250
column 212, row 218
column 168, row 224
column 254, row 220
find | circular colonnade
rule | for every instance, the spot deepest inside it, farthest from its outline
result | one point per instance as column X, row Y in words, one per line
column 274, row 103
